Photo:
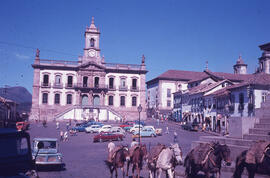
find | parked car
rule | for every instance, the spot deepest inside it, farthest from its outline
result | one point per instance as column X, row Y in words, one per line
column 118, row 130
column 146, row 132
column 140, row 122
column 92, row 128
column 81, row 127
column 135, row 128
column 105, row 128
column 107, row 136
column 23, row 125
column 48, row 154
column 127, row 125
column 190, row 126
column 158, row 131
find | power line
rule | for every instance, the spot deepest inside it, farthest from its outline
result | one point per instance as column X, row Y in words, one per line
column 30, row 47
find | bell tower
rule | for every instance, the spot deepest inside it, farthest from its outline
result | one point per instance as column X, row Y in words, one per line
column 240, row 67
column 91, row 48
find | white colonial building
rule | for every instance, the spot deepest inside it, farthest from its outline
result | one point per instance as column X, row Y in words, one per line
column 88, row 88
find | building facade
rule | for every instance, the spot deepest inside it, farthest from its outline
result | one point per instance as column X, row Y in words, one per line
column 88, row 88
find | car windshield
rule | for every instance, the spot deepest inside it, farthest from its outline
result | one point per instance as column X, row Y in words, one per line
column 47, row 144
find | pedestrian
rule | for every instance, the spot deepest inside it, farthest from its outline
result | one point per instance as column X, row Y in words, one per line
column 44, row 122
column 167, row 130
column 57, row 125
column 111, row 147
column 66, row 136
column 67, row 125
column 133, row 143
column 174, row 137
column 61, row 135
column 157, row 121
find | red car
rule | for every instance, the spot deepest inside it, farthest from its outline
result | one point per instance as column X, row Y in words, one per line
column 107, row 136
column 127, row 124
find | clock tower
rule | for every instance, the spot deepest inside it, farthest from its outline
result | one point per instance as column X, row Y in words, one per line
column 91, row 49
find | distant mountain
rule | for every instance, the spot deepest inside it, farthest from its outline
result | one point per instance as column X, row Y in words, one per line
column 20, row 95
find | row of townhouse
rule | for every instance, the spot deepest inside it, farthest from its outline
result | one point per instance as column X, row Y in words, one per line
column 209, row 96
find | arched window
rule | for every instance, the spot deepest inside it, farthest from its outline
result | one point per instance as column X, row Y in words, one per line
column 69, row 98
column 122, row 101
column 111, row 83
column 110, row 100
column 85, row 81
column 92, row 42
column 70, row 81
column 46, row 80
column 57, row 98
column 134, row 101
column 44, row 98
column 96, row 82
column 58, row 79
column 134, row 84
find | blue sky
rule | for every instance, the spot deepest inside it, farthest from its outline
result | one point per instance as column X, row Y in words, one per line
column 172, row 34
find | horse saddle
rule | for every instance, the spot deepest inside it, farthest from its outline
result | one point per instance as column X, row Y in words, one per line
column 155, row 151
column 113, row 153
column 202, row 152
column 256, row 152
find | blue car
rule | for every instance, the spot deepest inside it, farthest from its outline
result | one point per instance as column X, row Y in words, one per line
column 146, row 132
column 80, row 128
column 139, row 123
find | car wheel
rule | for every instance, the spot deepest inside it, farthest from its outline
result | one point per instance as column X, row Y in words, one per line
column 100, row 140
column 132, row 131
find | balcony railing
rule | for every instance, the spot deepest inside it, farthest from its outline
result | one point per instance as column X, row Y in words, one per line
column 46, row 85
column 69, row 85
column 134, row 88
column 123, row 88
column 82, row 85
column 57, row 85
column 111, row 87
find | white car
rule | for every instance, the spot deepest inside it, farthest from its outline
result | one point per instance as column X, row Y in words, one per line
column 105, row 128
column 135, row 128
column 92, row 129
column 118, row 130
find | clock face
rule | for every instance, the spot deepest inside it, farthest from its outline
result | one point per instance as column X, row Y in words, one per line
column 92, row 53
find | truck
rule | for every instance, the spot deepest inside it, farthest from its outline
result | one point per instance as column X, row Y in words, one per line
column 15, row 153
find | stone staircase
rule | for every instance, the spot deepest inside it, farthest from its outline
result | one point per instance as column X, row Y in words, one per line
column 259, row 131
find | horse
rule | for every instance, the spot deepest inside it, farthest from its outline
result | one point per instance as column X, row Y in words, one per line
column 210, row 162
column 139, row 154
column 262, row 168
column 166, row 160
column 118, row 161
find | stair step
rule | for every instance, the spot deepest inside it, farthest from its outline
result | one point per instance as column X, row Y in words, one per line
column 264, row 121
column 227, row 140
column 256, row 137
column 262, row 126
column 259, row 131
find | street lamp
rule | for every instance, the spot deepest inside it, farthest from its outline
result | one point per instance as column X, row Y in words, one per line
column 139, row 110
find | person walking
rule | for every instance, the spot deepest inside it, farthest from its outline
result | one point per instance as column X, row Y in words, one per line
column 111, row 147
column 167, row 130
column 67, row 125
column 133, row 143
column 61, row 135
column 174, row 137
column 57, row 125
column 157, row 121
column 66, row 136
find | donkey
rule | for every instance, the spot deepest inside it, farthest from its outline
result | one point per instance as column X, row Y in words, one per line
column 210, row 162
column 261, row 167
column 118, row 161
column 139, row 154
column 166, row 160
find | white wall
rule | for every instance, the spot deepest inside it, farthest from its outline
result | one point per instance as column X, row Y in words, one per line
column 51, row 91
